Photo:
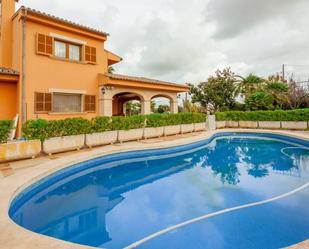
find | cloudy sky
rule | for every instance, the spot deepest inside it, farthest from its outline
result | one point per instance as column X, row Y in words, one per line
column 186, row 41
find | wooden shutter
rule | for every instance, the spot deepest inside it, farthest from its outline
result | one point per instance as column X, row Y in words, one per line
column 91, row 54
column 42, row 102
column 90, row 103
column 87, row 53
column 44, row 44
column 48, row 102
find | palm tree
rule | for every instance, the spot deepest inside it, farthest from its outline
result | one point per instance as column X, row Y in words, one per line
column 133, row 108
column 250, row 84
column 279, row 90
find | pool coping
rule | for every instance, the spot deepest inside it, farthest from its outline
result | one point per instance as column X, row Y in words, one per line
column 14, row 236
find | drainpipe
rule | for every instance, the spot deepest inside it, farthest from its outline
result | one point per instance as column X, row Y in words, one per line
column 23, row 79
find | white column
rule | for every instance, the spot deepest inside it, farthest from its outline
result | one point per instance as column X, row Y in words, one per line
column 174, row 106
column 106, row 104
column 146, row 107
column 106, row 107
column 211, row 122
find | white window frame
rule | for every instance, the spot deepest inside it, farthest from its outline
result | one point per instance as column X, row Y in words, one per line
column 60, row 52
column 74, row 52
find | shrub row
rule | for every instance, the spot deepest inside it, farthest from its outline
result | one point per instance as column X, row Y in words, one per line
column 278, row 115
column 42, row 129
column 5, row 128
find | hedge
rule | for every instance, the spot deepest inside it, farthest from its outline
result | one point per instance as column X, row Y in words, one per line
column 5, row 128
column 127, row 123
column 42, row 129
column 277, row 115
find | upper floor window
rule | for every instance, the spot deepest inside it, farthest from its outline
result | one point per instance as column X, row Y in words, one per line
column 74, row 52
column 67, row 51
column 60, row 49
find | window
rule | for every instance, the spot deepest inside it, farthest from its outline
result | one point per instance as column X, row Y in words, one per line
column 67, row 51
column 60, row 49
column 74, row 52
column 63, row 102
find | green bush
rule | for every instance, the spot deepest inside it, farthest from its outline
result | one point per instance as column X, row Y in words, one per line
column 5, row 128
column 199, row 118
column 277, row 115
column 172, row 119
column 35, row 129
column 42, row 129
column 156, row 120
column 101, row 124
column 259, row 101
column 127, row 123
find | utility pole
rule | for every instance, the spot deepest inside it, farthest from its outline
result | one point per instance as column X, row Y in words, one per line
column 283, row 72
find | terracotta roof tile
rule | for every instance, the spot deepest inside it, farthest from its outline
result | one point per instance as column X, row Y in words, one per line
column 10, row 71
column 142, row 79
column 65, row 21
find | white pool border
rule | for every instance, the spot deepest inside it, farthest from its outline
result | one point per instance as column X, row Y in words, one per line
column 13, row 236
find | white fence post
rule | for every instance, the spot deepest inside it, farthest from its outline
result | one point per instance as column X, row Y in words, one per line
column 211, row 123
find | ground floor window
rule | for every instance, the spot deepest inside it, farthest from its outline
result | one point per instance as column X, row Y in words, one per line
column 58, row 102
column 63, row 102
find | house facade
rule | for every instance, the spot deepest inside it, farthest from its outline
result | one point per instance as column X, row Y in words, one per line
column 52, row 68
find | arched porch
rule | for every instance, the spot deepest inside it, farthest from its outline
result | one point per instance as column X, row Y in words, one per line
column 116, row 90
column 121, row 99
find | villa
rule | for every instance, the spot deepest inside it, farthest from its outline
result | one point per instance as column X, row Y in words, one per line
column 52, row 68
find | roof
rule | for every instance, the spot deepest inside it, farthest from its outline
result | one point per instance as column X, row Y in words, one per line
column 112, row 58
column 9, row 71
column 62, row 20
column 142, row 79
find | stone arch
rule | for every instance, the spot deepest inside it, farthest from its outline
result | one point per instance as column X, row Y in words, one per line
column 173, row 103
column 107, row 94
column 121, row 98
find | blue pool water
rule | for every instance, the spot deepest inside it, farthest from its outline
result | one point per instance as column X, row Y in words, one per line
column 113, row 201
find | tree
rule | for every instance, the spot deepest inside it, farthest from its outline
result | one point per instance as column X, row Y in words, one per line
column 188, row 106
column 153, row 106
column 163, row 109
column 219, row 92
column 259, row 101
column 133, row 108
column 278, row 89
column 250, row 84
column 298, row 95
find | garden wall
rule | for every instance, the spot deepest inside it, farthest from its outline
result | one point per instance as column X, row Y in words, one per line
column 74, row 134
column 279, row 119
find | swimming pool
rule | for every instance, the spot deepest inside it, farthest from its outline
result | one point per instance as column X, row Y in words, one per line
column 116, row 200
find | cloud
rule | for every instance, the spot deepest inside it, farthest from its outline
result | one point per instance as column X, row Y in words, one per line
column 235, row 17
column 186, row 41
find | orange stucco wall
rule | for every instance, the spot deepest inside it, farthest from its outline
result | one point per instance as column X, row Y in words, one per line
column 8, row 95
column 7, row 11
column 44, row 72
